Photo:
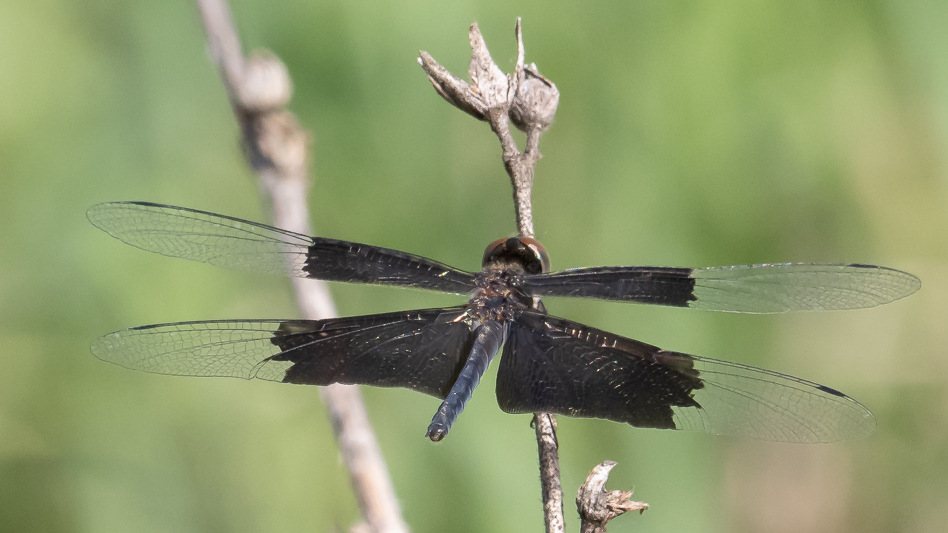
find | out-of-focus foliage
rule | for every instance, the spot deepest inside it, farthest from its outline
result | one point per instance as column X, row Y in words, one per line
column 689, row 133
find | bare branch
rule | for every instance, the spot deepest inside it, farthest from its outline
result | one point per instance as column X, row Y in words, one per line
column 597, row 506
column 548, row 454
column 529, row 100
column 277, row 149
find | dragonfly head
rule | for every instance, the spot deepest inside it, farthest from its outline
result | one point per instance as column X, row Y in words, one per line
column 523, row 251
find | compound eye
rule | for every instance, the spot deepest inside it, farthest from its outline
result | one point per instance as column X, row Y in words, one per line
column 540, row 258
column 494, row 251
column 524, row 251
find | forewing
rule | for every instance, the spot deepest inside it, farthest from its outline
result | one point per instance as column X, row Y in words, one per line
column 421, row 350
column 241, row 245
column 769, row 288
column 555, row 365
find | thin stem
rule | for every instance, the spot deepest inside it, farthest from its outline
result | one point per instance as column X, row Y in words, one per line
column 520, row 167
column 278, row 150
column 529, row 100
column 548, row 453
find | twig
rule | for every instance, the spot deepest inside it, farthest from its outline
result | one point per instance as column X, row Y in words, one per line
column 597, row 506
column 277, row 148
column 529, row 100
column 548, row 454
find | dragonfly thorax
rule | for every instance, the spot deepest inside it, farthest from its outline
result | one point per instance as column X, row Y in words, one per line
column 499, row 295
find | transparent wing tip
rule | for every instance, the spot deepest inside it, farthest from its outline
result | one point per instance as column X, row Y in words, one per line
column 114, row 218
column 778, row 288
column 911, row 282
column 96, row 213
column 109, row 348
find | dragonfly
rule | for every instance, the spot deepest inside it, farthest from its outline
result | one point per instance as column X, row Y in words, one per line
column 549, row 364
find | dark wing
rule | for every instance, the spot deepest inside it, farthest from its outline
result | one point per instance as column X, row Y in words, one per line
column 771, row 288
column 241, row 245
column 421, row 350
column 555, row 365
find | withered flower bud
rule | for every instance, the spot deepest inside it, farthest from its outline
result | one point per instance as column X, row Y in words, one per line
column 535, row 102
column 489, row 87
column 527, row 97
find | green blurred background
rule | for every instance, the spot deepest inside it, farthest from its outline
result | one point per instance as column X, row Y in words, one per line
column 689, row 133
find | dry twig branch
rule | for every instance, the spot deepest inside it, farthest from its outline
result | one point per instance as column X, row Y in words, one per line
column 597, row 506
column 277, row 148
column 529, row 100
